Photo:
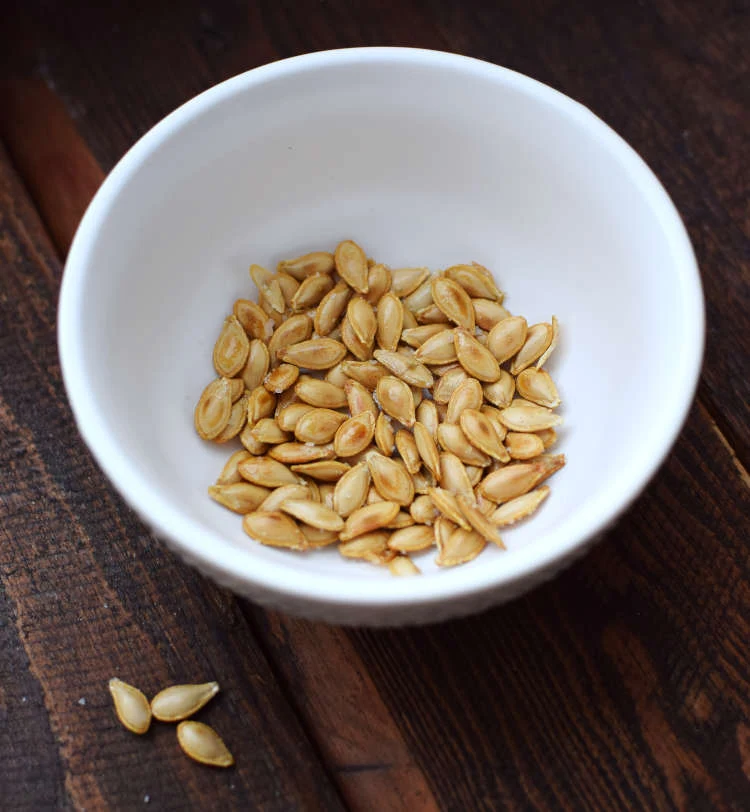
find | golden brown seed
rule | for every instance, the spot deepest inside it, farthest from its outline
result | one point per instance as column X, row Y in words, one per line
column 256, row 366
column 301, row 267
column 336, row 376
column 523, row 446
column 229, row 472
column 423, row 511
column 281, row 378
column 453, row 476
column 515, row 480
column 538, row 339
column 214, row 409
column 396, row 399
column 260, row 404
column 453, row 301
column 331, row 307
column 365, row 545
column 467, row 395
column 351, row 340
column 378, row 282
column 359, row 399
column 439, row 349
column 427, row 449
column 406, row 280
column 278, row 496
column 351, row 265
column 274, row 529
column 311, row 291
column 255, row 447
column 384, row 437
column 447, row 504
column 361, row 317
column 542, row 360
column 260, row 275
column 319, row 393
column 354, row 434
column 290, row 415
column 507, row 337
column 529, row 417
column 548, row 437
column 537, row 386
column 253, row 318
column 479, row 521
column 519, row 508
column 295, row 453
column 460, row 547
column 351, row 490
column 419, row 298
column 131, row 706
column 289, row 286
column 324, row 470
column 412, row 539
column 240, row 497
column 315, row 353
column 368, row 373
column 500, row 393
column 447, row 383
column 488, row 313
column 267, row 430
column 476, row 283
column 427, row 415
column 410, row 320
column 236, row 389
column 236, row 422
column 452, row 438
column 402, row 566
column 408, row 369
column 231, row 348
column 177, row 702
column 477, row 360
column 403, row 519
column 294, row 330
column 391, row 479
column 416, row 336
column 203, row 744
column 480, row 432
column 369, row 518
column 432, row 314
column 313, row 513
column 267, row 472
column 407, row 448
column 318, row 426
column 390, row 322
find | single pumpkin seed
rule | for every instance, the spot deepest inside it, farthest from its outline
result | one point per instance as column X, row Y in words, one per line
column 289, row 286
column 253, row 318
column 453, row 476
column 290, row 415
column 368, row 373
column 507, row 337
column 467, row 395
column 131, row 706
column 240, row 497
column 452, row 438
column 453, row 301
column 396, row 399
column 488, row 313
column 229, row 472
column 362, row 319
column 448, row 505
column 256, row 367
column 315, row 353
column 350, row 492
column 480, row 432
column 427, row 449
column 255, row 447
column 500, row 393
column 271, row 292
column 231, row 348
column 267, row 430
column 359, row 399
column 331, row 308
column 319, row 393
column 369, row 518
column 416, row 336
column 317, row 537
column 260, row 275
column 529, row 417
column 278, row 496
column 522, row 446
column 311, row 291
column 515, row 480
column 351, row 265
column 406, row 280
column 203, row 744
column 536, row 385
column 520, row 507
column 412, row 539
column 402, row 566
column 353, row 343
column 378, row 282
column 294, row 330
column 365, row 545
column 318, row 426
column 538, row 339
column 542, row 360
column 177, row 702
column 313, row 513
column 308, row 264
column 476, row 283
column 408, row 369
column 479, row 521
column 427, row 415
column 391, row 479
column 447, row 383
column 324, row 470
column 281, row 378
column 423, row 510
column 295, row 453
column 548, row 437
column 432, row 314
column 260, row 403
column 214, row 409
column 439, row 349
column 390, row 322
column 407, row 448
column 460, row 547
column 274, row 529
column 354, row 434
column 477, row 360
column 419, row 298
column 267, row 472
column 384, row 436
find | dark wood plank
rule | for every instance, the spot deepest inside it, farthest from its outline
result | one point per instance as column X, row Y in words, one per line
column 91, row 595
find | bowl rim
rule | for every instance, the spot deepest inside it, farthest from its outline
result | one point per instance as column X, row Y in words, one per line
column 223, row 559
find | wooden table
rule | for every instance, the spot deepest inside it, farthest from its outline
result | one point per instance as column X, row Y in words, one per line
column 623, row 684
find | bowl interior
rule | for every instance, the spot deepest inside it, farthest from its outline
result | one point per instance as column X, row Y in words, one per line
column 425, row 160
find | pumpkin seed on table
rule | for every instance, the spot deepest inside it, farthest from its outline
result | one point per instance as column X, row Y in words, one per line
column 131, row 706
column 178, row 702
column 202, row 743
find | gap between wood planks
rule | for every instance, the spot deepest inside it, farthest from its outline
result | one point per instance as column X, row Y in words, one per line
column 356, row 739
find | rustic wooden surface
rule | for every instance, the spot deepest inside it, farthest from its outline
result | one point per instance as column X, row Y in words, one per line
column 623, row 684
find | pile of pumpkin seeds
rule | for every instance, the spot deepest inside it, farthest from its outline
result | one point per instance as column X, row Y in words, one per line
column 173, row 704
column 383, row 411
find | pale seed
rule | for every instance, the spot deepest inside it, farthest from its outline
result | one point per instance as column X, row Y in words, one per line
column 368, row 373
column 538, row 339
column 439, row 349
column 353, row 343
column 359, row 399
column 350, row 492
column 313, row 513
column 336, row 375
column 365, row 545
column 427, row 415
column 500, row 393
column 519, row 508
column 373, row 496
column 318, row 426
column 407, row 448
column 311, row 291
column 301, row 267
column 315, row 353
column 453, row 476
column 202, row 743
column 427, row 449
column 391, row 479
column 378, row 282
column 402, row 566
column 542, row 360
column 295, row 453
column 271, row 292
column 255, row 447
column 479, row 521
column 290, row 415
column 240, row 497
column 351, row 265
column 432, row 314
column 523, row 446
column 476, row 283
column 412, row 539
column 214, row 409
column 131, row 706
column 481, row 433
column 236, row 422
column 507, row 337
column 274, row 529
column 324, row 470
column 448, row 505
column 410, row 320
column 177, row 702
column 369, row 518
column 529, row 417
column 267, row 472
column 548, row 437
column 319, row 393
column 260, row 403
column 330, row 309
column 484, row 505
column 267, row 430
column 460, row 547
column 396, row 399
column 467, row 395
column 278, row 496
column 384, row 437
column 406, row 280
column 423, row 510
column 325, row 491
column 536, row 385
column 253, row 318
column 453, row 301
column 477, row 360
column 229, row 472
column 488, row 313
column 517, row 479
column 402, row 520
column 390, row 322
column 362, row 319
column 408, row 369
column 452, row 438
column 447, row 383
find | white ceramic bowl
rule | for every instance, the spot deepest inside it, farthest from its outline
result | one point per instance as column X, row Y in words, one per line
column 424, row 158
